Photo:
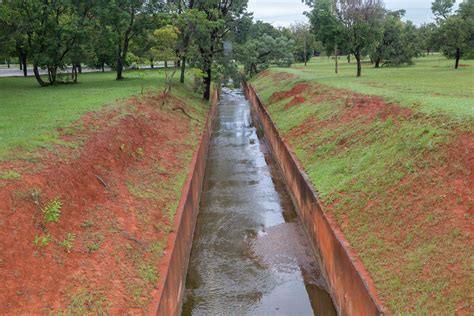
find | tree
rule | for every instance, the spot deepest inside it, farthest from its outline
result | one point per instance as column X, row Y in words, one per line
column 456, row 32
column 399, row 43
column 304, row 40
column 454, row 36
column 442, row 8
column 259, row 53
column 125, row 19
column 54, row 31
column 212, row 21
column 360, row 22
column 426, row 36
column 166, row 41
column 327, row 28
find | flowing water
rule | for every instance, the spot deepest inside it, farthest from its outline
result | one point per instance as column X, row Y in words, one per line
column 250, row 255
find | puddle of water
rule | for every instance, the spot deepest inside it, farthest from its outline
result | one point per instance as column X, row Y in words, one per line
column 250, row 255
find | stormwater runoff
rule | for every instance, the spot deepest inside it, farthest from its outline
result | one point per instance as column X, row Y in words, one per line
column 250, row 255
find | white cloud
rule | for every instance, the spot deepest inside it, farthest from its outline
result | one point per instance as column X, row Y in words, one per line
column 285, row 12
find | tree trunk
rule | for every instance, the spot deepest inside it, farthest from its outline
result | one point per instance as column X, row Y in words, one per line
column 151, row 64
column 207, row 84
column 79, row 67
column 38, row 77
column 103, row 67
column 305, row 50
column 183, row 69
column 8, row 62
column 166, row 64
column 335, row 58
column 52, row 72
column 349, row 58
column 359, row 65
column 25, row 69
column 377, row 62
column 458, row 56
column 20, row 62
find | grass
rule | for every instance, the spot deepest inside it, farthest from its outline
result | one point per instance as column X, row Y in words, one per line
column 31, row 115
column 379, row 178
column 52, row 211
column 431, row 86
column 10, row 175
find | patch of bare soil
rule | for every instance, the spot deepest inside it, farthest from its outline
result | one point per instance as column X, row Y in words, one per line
column 117, row 191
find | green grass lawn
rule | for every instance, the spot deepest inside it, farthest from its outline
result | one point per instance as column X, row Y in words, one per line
column 431, row 85
column 30, row 115
column 389, row 182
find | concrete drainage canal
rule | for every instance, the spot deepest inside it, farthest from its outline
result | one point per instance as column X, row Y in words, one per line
column 250, row 254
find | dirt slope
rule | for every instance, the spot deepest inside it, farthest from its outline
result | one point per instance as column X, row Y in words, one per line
column 118, row 181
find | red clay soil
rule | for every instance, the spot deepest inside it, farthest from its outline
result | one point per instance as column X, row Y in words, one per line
column 295, row 101
column 116, row 189
column 296, row 90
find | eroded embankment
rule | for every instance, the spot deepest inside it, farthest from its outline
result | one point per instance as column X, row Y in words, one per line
column 398, row 183
column 117, row 177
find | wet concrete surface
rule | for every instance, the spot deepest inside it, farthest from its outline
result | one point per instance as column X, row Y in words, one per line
column 250, row 255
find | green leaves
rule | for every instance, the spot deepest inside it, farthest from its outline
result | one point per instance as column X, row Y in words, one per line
column 52, row 211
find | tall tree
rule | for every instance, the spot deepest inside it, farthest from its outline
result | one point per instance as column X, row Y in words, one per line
column 125, row 19
column 426, row 37
column 399, row 43
column 442, row 9
column 361, row 22
column 456, row 31
column 328, row 28
column 220, row 18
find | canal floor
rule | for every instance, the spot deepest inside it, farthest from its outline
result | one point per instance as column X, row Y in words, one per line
column 250, row 255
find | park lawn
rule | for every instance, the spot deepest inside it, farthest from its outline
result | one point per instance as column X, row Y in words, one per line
column 109, row 174
column 392, row 166
column 431, row 85
column 31, row 115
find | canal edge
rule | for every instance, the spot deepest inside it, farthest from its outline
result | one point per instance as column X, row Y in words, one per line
column 350, row 285
column 167, row 298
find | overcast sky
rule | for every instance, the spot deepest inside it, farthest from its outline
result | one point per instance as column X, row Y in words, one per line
column 285, row 12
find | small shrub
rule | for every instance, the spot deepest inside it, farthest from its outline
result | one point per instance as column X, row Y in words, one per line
column 88, row 223
column 52, row 211
column 92, row 247
column 68, row 243
column 42, row 240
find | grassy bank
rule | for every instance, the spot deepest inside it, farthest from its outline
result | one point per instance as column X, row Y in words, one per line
column 431, row 86
column 391, row 156
column 30, row 115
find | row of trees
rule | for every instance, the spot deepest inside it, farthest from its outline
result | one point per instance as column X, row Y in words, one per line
column 366, row 28
column 209, row 35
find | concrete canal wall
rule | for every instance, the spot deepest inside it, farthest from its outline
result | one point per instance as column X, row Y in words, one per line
column 350, row 285
column 168, row 296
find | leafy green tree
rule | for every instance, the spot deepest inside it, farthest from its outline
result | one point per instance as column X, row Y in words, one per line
column 328, row 28
column 426, row 36
column 358, row 21
column 399, row 43
column 456, row 32
column 454, row 36
column 212, row 21
column 304, row 41
column 125, row 19
column 166, row 41
column 442, row 9
column 259, row 53
column 54, row 31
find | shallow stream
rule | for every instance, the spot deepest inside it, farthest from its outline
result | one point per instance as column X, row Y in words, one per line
column 250, row 255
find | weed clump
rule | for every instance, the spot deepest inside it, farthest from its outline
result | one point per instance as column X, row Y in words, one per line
column 52, row 211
